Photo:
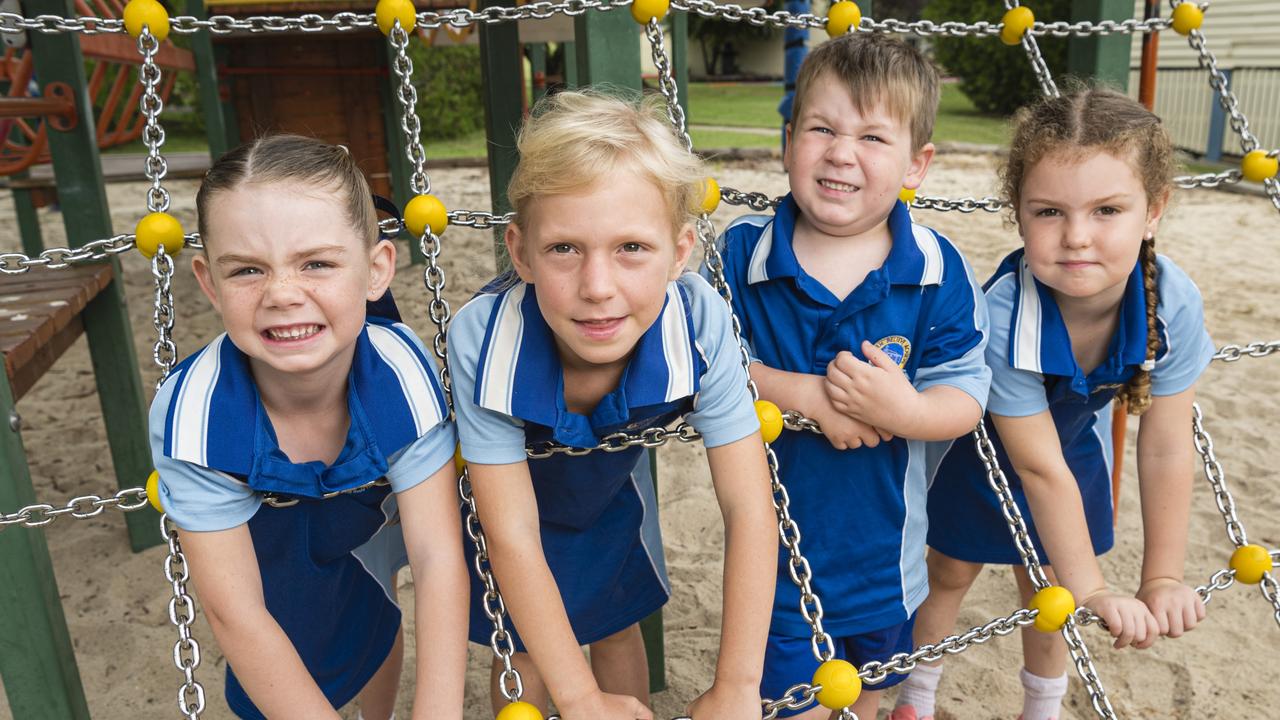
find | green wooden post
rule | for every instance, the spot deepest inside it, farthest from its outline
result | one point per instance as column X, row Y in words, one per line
column 85, row 215
column 570, row 53
column 1104, row 58
column 502, row 71
column 538, row 65
column 680, row 58
column 28, row 220
column 221, row 133
column 37, row 661
column 397, row 144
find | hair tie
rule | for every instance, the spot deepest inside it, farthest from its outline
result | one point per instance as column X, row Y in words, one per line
column 1149, row 364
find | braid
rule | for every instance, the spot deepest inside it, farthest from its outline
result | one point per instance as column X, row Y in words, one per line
column 1138, row 390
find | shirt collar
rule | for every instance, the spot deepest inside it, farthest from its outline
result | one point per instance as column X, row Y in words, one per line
column 915, row 257
column 519, row 372
column 1039, row 341
column 216, row 418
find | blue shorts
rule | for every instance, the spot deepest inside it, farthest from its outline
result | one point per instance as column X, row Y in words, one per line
column 789, row 660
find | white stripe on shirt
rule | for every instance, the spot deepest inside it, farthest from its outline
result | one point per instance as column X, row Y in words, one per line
column 191, row 413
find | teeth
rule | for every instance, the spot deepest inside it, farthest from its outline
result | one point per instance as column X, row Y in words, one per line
column 297, row 332
column 836, row 186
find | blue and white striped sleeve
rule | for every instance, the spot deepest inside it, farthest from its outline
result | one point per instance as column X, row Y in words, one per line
column 1014, row 392
column 486, row 436
column 196, row 498
column 1189, row 349
column 419, row 460
column 954, row 351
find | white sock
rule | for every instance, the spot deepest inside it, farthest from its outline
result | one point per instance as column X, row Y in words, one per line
column 920, row 689
column 1042, row 697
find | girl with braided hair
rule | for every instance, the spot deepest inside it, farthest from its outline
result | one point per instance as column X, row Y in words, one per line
column 1084, row 313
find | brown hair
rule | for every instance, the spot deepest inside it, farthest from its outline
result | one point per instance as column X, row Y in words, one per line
column 283, row 157
column 1089, row 120
column 573, row 138
column 876, row 68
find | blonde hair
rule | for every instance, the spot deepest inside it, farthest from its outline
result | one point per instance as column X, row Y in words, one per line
column 305, row 160
column 573, row 138
column 876, row 68
column 1086, row 121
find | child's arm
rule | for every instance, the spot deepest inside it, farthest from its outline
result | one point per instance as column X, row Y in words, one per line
column 1164, row 479
column 224, row 568
column 433, row 538
column 880, row 394
column 806, row 394
column 509, row 513
column 1054, row 499
column 741, row 480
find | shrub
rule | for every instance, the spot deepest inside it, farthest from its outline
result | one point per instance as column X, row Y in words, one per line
column 447, row 79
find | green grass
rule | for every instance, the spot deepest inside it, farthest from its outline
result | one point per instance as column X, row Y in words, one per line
column 723, row 139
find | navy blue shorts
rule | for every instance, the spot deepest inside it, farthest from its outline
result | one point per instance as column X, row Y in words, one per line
column 789, row 660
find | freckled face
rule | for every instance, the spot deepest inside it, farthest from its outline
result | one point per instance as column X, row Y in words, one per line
column 290, row 276
column 601, row 259
column 1083, row 221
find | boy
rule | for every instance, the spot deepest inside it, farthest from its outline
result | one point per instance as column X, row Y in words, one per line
column 871, row 325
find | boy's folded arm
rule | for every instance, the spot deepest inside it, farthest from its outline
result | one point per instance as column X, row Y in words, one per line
column 509, row 513
column 433, row 538
column 225, row 570
column 944, row 413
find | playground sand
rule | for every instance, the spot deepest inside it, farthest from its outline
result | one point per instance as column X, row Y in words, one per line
column 1229, row 667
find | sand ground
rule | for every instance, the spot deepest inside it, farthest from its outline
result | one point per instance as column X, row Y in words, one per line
column 1230, row 667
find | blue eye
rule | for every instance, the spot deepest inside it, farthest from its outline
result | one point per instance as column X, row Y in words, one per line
column 240, row 272
column 562, row 248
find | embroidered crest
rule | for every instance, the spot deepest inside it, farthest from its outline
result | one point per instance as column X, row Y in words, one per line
column 897, row 348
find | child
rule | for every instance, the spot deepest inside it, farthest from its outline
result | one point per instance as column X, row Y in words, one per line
column 598, row 332
column 871, row 325
column 270, row 439
column 1084, row 312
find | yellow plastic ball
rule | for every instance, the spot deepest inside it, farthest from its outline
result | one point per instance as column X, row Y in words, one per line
column 388, row 11
column 645, row 10
column 519, row 710
column 459, row 463
column 157, row 229
column 842, row 16
column 840, row 683
column 1055, row 603
column 153, row 491
column 1257, row 167
column 1250, row 562
column 1016, row 23
column 907, row 195
column 770, row 420
column 1187, row 17
column 425, row 211
column 710, row 196
column 149, row 13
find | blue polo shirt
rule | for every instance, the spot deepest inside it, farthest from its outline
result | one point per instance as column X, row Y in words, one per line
column 327, row 565
column 861, row 512
column 1034, row 370
column 597, row 511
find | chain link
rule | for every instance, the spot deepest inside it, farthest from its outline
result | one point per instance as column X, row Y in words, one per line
column 79, row 508
column 1233, row 353
column 182, row 613
column 155, row 167
column 164, row 352
column 1217, row 479
column 409, row 122
column 59, row 258
column 1038, row 64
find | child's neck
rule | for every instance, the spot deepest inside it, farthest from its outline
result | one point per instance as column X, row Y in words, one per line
column 585, row 384
column 1091, row 322
column 840, row 262
column 307, row 411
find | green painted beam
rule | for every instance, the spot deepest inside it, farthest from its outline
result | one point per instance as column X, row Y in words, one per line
column 570, row 64
column 37, row 661
column 608, row 48
column 86, row 216
column 679, row 30
column 1104, row 58
column 502, row 71
column 28, row 220
column 538, row 66
column 220, row 132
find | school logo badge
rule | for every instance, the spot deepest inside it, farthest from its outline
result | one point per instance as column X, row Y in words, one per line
column 897, row 348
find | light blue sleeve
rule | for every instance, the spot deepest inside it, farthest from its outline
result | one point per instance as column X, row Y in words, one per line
column 420, row 459
column 732, row 272
column 723, row 411
column 487, row 437
column 955, row 352
column 1014, row 392
column 1189, row 347
column 197, row 499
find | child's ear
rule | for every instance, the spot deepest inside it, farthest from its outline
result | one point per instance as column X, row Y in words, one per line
column 685, row 241
column 919, row 166
column 1155, row 211
column 204, row 277
column 786, row 147
column 382, row 267
column 514, row 239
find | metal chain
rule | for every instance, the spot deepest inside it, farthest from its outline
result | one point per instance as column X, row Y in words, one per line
column 409, row 122
column 1233, row 353
column 79, row 508
column 1217, row 479
column 1038, row 64
column 1018, row 530
column 59, row 258
column 666, row 83
column 164, row 352
column 155, row 167
column 1209, row 180
column 182, row 612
